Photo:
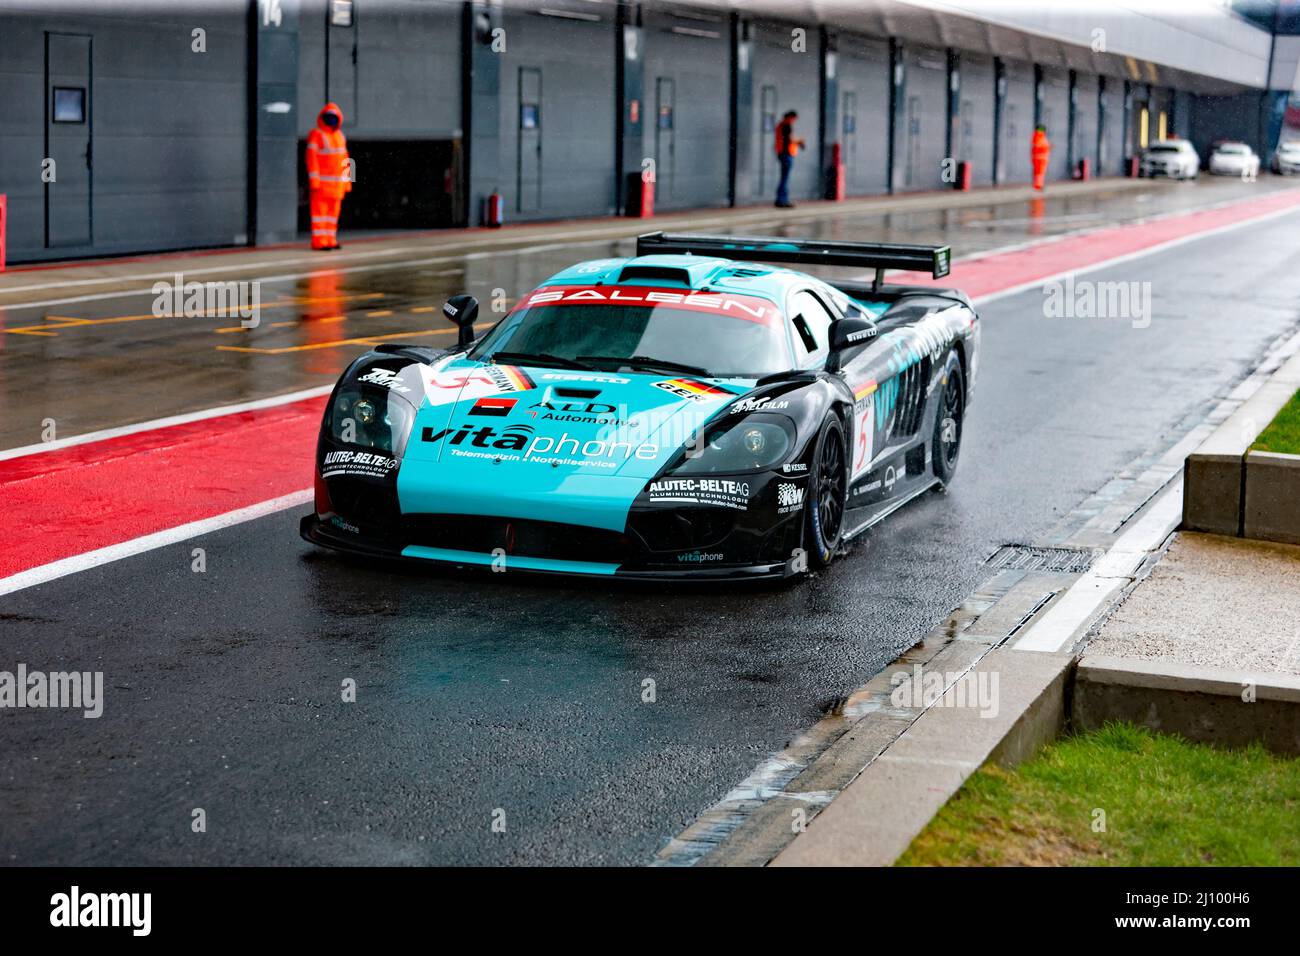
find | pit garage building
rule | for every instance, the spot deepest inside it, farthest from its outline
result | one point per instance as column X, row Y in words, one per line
column 135, row 126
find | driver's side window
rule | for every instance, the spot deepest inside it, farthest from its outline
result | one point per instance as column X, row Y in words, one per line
column 811, row 320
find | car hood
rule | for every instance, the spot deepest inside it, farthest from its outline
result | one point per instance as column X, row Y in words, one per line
column 488, row 435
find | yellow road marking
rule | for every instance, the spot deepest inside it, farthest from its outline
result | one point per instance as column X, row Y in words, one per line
column 380, row 314
column 424, row 308
column 52, row 324
column 364, row 340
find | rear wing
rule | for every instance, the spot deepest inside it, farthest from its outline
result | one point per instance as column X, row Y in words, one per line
column 863, row 255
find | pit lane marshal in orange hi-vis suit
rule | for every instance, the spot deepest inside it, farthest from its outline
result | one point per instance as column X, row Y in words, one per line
column 328, row 174
column 1039, row 151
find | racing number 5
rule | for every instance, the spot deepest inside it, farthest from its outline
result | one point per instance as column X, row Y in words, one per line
column 865, row 427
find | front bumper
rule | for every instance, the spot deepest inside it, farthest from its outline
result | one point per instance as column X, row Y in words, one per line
column 324, row 533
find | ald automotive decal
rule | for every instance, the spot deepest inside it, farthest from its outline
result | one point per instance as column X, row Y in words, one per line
column 748, row 307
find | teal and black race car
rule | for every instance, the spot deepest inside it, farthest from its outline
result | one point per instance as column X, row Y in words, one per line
column 695, row 411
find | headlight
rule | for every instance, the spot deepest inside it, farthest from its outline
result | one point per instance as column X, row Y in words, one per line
column 375, row 418
column 736, row 444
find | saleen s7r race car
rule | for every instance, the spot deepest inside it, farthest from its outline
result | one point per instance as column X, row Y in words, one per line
column 694, row 411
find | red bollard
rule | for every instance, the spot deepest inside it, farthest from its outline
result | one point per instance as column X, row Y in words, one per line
column 963, row 180
column 494, row 210
column 647, row 197
column 836, row 189
column 4, row 209
column 1085, row 169
column 1133, row 169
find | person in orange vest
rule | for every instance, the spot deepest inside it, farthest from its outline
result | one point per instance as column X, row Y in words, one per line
column 328, row 176
column 787, row 148
column 1039, row 151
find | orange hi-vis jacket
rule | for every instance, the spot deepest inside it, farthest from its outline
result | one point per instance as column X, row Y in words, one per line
column 327, row 157
column 1040, row 149
column 786, row 143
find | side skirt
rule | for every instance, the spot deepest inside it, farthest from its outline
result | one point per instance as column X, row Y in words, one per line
column 887, row 508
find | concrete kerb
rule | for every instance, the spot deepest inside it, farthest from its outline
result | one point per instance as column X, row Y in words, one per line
column 1231, row 490
column 1210, row 705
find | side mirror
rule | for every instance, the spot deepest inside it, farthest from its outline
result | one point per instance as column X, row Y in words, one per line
column 847, row 333
column 462, row 310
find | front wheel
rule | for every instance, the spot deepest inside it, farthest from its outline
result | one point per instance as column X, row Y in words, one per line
column 949, row 419
column 827, row 493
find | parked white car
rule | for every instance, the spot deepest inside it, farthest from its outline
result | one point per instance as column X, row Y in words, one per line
column 1286, row 158
column 1234, row 159
column 1175, row 158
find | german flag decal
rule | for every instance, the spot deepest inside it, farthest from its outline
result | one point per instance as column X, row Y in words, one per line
column 494, row 407
column 695, row 391
column 507, row 378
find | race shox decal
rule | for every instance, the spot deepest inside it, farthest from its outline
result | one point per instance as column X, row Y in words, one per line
column 695, row 391
column 494, row 407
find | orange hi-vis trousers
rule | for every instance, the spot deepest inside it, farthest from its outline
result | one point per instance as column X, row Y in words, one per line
column 324, row 219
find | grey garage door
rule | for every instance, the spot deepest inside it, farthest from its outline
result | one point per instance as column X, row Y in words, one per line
column 558, row 109
column 925, row 118
column 1017, row 124
column 864, row 114
column 784, row 79
column 686, row 94
column 975, row 117
column 1056, row 117
column 1111, row 158
column 1084, row 144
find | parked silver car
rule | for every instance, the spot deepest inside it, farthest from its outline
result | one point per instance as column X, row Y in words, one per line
column 1175, row 158
column 1234, row 159
column 1286, row 158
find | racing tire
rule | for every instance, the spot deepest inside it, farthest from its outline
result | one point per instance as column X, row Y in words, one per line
column 949, row 419
column 828, row 487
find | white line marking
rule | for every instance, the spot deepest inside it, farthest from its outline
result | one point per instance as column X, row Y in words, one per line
column 199, row 416
column 159, row 539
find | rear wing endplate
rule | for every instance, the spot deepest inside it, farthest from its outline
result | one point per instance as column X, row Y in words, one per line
column 862, row 255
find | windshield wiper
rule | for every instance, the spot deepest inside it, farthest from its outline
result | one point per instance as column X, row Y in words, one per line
column 538, row 358
column 647, row 362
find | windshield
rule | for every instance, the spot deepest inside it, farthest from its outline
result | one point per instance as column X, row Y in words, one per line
column 1163, row 149
column 717, row 334
column 1232, row 150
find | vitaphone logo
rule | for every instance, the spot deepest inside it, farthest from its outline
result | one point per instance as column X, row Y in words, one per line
column 522, row 438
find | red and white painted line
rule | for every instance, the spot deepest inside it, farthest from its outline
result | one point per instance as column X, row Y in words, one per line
column 91, row 499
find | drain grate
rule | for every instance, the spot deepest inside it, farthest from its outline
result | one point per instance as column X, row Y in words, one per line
column 1019, row 557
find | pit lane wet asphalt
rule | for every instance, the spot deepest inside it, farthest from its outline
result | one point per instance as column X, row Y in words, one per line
column 499, row 693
